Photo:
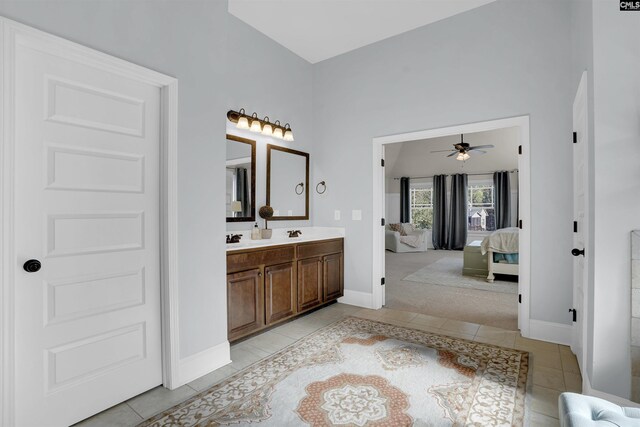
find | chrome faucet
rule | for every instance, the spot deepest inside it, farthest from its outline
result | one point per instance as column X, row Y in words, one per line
column 234, row 238
column 294, row 233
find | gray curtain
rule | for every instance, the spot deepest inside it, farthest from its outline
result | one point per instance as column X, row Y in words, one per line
column 502, row 193
column 405, row 200
column 457, row 226
column 242, row 192
column 439, row 230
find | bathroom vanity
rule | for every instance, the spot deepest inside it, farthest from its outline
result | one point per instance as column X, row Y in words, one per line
column 270, row 283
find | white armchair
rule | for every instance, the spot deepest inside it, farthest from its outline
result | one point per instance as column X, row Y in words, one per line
column 393, row 243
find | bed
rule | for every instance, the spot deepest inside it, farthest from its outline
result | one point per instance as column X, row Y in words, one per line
column 502, row 248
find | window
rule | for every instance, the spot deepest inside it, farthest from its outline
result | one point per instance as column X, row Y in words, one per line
column 481, row 214
column 422, row 207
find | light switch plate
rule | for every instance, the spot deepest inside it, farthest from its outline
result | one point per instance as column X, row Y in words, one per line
column 356, row 215
column 336, row 215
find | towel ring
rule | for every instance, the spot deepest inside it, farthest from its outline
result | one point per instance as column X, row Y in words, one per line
column 301, row 189
column 324, row 187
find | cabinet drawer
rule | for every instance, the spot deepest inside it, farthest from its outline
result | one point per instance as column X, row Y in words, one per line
column 308, row 250
column 244, row 260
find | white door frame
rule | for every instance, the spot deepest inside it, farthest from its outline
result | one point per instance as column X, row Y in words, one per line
column 524, row 179
column 12, row 34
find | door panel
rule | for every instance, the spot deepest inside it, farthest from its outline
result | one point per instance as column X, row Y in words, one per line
column 244, row 292
column 280, row 292
column 309, row 283
column 580, row 212
column 332, row 276
column 87, row 206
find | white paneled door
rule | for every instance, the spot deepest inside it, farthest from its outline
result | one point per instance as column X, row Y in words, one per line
column 581, row 218
column 87, row 202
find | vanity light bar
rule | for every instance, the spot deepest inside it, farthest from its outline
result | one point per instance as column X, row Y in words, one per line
column 264, row 126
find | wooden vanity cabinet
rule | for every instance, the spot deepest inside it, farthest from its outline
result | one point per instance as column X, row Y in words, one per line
column 244, row 293
column 332, row 276
column 309, row 283
column 280, row 292
column 268, row 285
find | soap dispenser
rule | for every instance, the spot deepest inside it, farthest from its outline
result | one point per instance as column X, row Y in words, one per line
column 255, row 233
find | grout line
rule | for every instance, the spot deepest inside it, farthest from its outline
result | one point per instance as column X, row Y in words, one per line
column 134, row 411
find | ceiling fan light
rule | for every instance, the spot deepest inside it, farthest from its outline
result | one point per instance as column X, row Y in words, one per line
column 466, row 156
column 460, row 157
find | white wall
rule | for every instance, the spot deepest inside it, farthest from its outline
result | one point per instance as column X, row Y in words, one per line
column 505, row 59
column 272, row 81
column 186, row 40
column 616, row 62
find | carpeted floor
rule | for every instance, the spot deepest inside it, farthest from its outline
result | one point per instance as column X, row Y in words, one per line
column 359, row 372
column 469, row 305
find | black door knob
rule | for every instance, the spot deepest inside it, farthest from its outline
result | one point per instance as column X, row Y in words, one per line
column 576, row 252
column 32, row 266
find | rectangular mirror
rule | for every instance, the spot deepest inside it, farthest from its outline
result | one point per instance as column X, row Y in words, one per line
column 241, row 179
column 287, row 183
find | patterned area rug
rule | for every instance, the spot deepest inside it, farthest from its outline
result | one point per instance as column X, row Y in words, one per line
column 448, row 272
column 359, row 372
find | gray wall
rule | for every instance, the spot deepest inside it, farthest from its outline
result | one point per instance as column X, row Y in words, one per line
column 504, row 59
column 187, row 40
column 272, row 81
column 616, row 61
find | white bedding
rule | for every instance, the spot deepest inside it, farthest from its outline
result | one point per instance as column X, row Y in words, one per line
column 504, row 241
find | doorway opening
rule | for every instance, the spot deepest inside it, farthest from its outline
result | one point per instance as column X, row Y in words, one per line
column 455, row 236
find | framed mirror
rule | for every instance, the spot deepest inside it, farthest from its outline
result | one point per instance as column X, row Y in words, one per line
column 287, row 183
column 241, row 179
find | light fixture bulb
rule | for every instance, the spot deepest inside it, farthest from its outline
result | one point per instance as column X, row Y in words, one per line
column 277, row 133
column 288, row 134
column 267, row 129
column 461, row 157
column 243, row 123
column 466, row 156
column 255, row 123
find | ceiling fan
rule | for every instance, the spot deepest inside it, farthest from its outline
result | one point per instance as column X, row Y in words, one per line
column 462, row 149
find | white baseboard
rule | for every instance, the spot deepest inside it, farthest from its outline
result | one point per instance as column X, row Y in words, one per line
column 359, row 299
column 199, row 364
column 549, row 331
column 588, row 390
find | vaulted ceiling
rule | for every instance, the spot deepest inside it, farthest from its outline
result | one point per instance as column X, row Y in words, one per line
column 320, row 29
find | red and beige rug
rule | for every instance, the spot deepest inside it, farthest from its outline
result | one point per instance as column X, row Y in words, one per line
column 360, row 372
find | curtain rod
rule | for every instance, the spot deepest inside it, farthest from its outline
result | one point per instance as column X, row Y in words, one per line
column 469, row 174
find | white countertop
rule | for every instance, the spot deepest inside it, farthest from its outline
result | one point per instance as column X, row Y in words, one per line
column 280, row 237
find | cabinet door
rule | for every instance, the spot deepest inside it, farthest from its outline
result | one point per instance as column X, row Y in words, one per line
column 245, row 304
column 279, row 288
column 309, row 283
column 332, row 276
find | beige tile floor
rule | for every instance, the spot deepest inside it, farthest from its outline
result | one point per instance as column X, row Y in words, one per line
column 554, row 367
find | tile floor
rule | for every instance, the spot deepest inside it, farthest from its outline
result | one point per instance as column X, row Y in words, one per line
column 554, row 367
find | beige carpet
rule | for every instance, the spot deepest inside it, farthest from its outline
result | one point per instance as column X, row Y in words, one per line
column 448, row 272
column 469, row 305
column 359, row 372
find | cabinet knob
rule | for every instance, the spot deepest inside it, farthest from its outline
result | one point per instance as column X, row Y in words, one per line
column 260, row 274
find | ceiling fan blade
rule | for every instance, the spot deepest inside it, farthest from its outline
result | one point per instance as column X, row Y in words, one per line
column 479, row 152
column 442, row 151
column 452, row 154
column 481, row 146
